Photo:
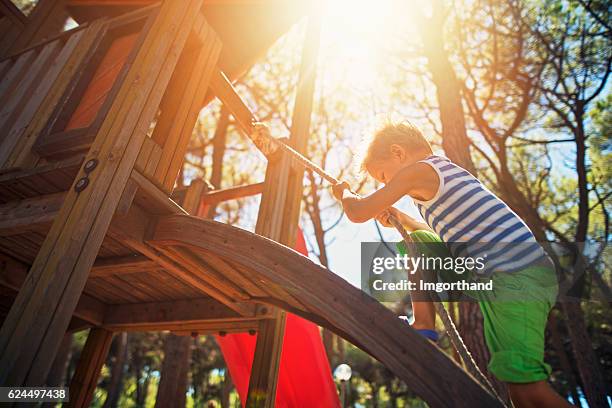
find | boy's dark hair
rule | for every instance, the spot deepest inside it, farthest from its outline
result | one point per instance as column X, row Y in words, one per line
column 404, row 134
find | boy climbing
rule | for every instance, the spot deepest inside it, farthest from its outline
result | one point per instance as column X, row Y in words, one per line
column 472, row 221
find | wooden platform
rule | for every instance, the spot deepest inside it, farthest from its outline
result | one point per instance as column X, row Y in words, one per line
column 190, row 275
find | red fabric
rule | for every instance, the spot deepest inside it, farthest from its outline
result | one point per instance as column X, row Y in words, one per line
column 304, row 379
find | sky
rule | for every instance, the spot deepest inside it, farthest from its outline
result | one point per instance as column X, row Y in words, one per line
column 354, row 38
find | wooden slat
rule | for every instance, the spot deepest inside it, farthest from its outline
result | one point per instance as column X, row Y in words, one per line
column 13, row 273
column 25, row 89
column 60, row 270
column 191, row 311
column 8, row 9
column 152, row 197
column 52, row 171
column 201, row 328
column 131, row 229
column 19, row 216
column 122, row 265
column 222, row 87
column 63, row 143
column 232, row 193
column 48, row 93
column 204, row 65
column 18, row 69
column 209, row 274
column 47, row 19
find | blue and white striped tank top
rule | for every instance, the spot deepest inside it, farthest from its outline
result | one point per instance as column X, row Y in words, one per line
column 474, row 222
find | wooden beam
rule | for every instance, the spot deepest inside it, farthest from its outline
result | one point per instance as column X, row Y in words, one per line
column 181, row 117
column 222, row 87
column 171, row 314
column 47, row 19
column 153, row 198
column 9, row 10
column 232, row 193
column 36, row 323
column 122, row 265
column 23, row 215
column 92, row 358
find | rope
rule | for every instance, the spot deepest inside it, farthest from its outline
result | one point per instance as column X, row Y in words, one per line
column 449, row 326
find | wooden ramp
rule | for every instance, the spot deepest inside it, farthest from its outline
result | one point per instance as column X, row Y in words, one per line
column 271, row 273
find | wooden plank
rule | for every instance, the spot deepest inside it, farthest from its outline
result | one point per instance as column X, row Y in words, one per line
column 209, row 274
column 232, row 193
column 206, row 62
column 47, row 19
column 25, row 89
column 92, row 358
column 19, row 216
column 11, row 174
column 41, row 311
column 13, row 274
column 192, row 199
column 195, row 278
column 18, row 69
column 188, row 311
column 432, row 374
column 127, row 198
column 46, row 179
column 222, row 87
column 8, row 9
column 200, row 328
column 122, row 265
column 63, row 143
column 152, row 197
column 48, row 93
column 232, row 273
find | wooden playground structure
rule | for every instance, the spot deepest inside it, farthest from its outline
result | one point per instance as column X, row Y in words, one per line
column 95, row 123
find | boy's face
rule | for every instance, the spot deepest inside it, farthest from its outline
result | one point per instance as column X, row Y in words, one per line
column 383, row 170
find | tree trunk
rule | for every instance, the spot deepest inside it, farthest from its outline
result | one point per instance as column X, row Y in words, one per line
column 557, row 343
column 116, row 381
column 228, row 385
column 175, row 372
column 589, row 368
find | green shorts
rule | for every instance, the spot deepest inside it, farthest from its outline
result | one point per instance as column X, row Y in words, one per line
column 515, row 314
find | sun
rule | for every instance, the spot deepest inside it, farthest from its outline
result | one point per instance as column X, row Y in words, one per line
column 354, row 38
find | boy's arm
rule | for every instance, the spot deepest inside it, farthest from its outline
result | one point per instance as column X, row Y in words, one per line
column 418, row 180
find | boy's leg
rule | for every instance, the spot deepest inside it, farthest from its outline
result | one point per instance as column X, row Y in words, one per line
column 428, row 244
column 515, row 317
column 538, row 394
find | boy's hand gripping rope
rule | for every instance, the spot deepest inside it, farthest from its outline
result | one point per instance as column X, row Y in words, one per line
column 267, row 144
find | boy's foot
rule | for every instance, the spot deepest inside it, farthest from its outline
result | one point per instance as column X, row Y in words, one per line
column 427, row 333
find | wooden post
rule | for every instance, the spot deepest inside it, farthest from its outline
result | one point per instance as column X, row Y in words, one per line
column 37, row 321
column 278, row 219
column 92, row 358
